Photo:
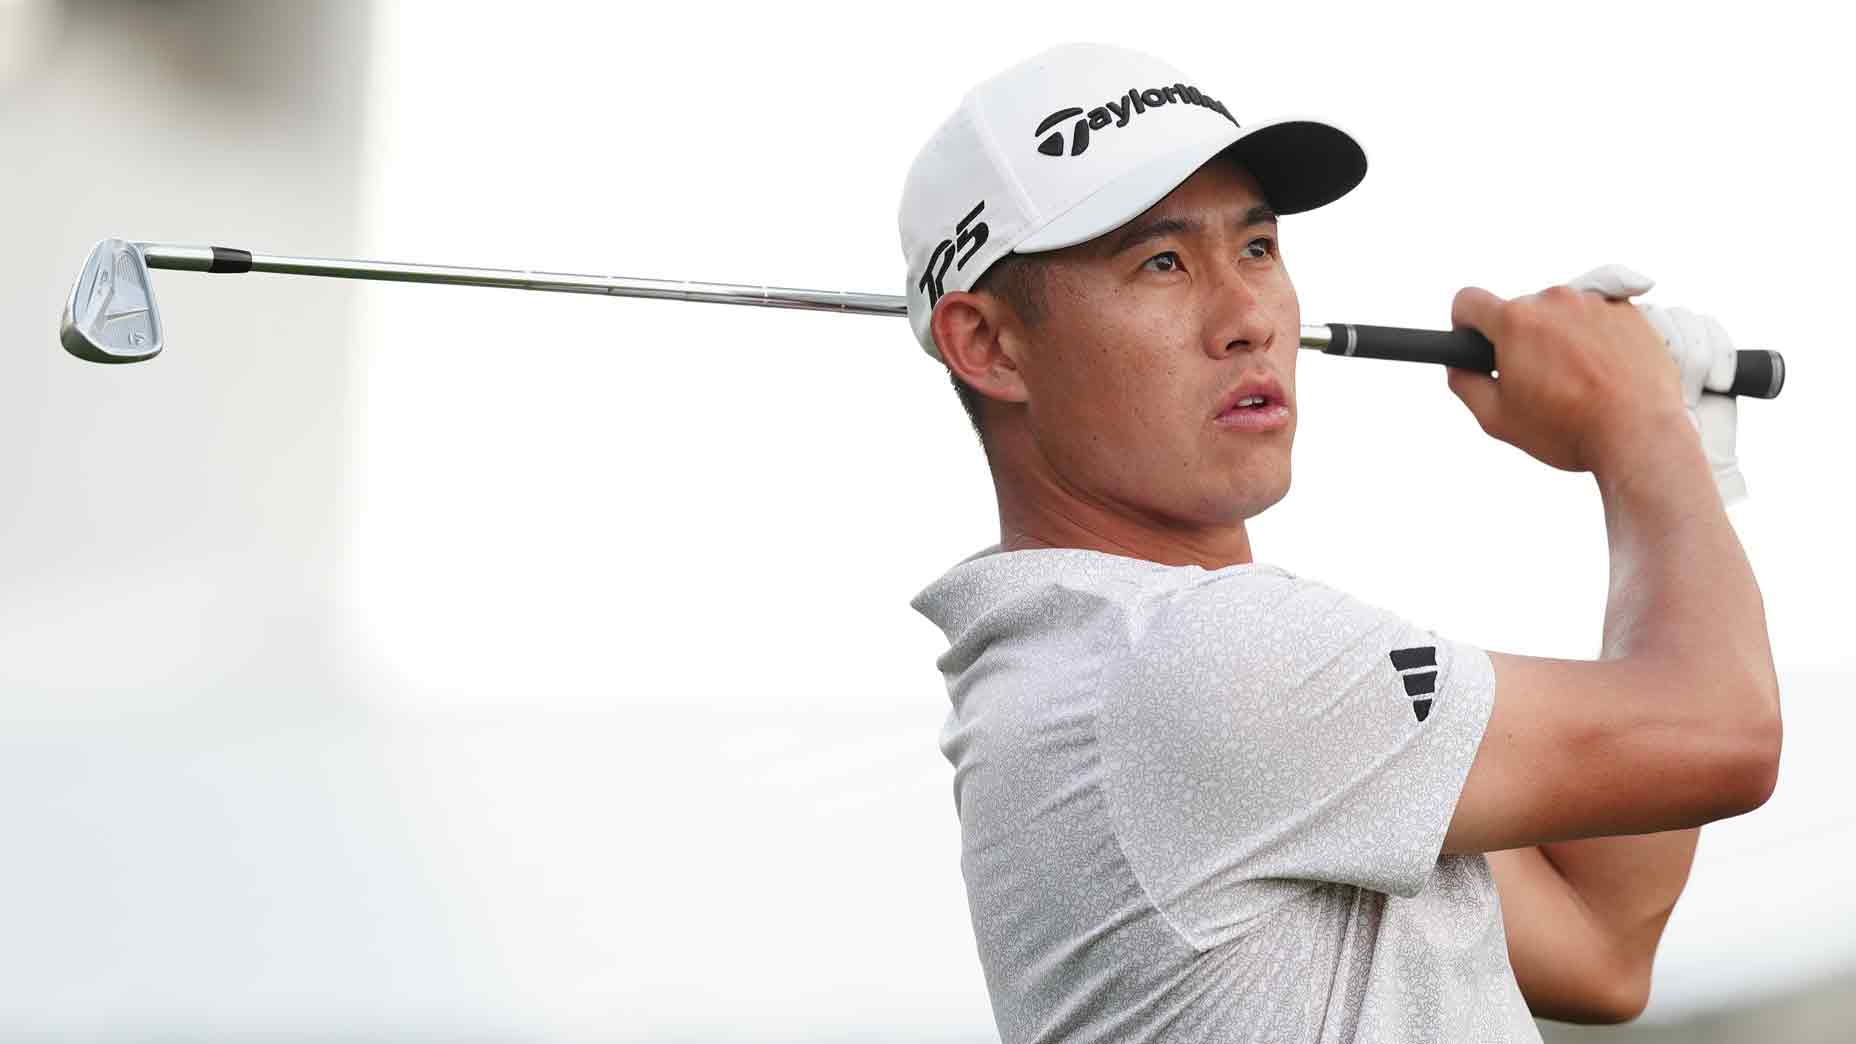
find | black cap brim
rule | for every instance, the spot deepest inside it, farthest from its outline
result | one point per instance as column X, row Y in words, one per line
column 1301, row 164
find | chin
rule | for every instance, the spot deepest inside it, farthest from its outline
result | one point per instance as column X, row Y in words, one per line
column 1273, row 501
column 1259, row 505
column 1247, row 499
column 1266, row 493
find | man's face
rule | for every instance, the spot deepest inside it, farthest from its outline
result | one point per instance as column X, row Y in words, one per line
column 1148, row 326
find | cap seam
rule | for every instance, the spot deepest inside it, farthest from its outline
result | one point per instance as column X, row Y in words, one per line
column 994, row 155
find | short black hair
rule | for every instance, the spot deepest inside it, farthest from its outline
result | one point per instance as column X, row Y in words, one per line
column 1018, row 280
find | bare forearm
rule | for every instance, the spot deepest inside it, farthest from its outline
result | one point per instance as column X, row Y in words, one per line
column 1681, row 590
column 1583, row 919
column 1683, row 595
column 1630, row 883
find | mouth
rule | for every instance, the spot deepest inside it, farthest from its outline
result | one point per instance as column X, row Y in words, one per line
column 1255, row 400
column 1267, row 417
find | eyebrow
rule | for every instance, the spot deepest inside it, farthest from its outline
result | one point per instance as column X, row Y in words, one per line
column 1134, row 235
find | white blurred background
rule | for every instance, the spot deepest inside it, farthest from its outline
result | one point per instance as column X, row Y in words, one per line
column 398, row 662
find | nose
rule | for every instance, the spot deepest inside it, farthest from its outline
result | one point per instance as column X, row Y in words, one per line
column 1236, row 316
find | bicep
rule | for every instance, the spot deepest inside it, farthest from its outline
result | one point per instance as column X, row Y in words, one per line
column 1578, row 748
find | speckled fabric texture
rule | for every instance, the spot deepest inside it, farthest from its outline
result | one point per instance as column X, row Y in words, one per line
column 1205, row 805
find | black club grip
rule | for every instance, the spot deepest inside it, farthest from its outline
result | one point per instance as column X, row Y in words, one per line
column 1463, row 349
column 1758, row 373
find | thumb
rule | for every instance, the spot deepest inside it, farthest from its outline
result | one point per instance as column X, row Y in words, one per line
column 1616, row 282
column 1481, row 393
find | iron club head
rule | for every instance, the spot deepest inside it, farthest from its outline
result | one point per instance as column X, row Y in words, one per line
column 110, row 316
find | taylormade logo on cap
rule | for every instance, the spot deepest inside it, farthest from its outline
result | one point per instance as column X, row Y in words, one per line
column 1030, row 161
column 1107, row 114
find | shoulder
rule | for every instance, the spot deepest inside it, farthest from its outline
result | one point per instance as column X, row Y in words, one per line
column 1269, row 645
column 1260, row 611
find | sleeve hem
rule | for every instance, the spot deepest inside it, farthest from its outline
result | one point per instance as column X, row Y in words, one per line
column 1468, row 717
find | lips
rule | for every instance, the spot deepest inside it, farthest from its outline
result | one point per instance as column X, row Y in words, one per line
column 1262, row 384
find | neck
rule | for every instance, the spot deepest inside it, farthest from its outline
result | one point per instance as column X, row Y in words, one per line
column 1038, row 508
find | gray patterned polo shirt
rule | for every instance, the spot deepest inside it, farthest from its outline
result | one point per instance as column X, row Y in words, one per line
column 1209, row 805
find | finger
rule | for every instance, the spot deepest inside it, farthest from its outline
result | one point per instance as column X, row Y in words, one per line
column 1615, row 282
column 1694, row 352
column 1721, row 353
column 1477, row 309
column 1715, row 418
column 1672, row 326
column 1480, row 393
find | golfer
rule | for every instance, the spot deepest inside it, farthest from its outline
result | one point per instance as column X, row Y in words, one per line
column 1204, row 798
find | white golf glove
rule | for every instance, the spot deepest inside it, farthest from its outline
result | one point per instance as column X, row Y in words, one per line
column 1703, row 355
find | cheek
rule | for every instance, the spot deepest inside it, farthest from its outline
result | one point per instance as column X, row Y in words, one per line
column 1287, row 310
column 1101, row 395
column 1122, row 376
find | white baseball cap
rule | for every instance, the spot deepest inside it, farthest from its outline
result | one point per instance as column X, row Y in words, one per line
column 1075, row 142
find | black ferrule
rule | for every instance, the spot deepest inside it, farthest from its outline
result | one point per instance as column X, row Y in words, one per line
column 230, row 259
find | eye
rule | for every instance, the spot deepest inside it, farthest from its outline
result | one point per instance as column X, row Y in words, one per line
column 1169, row 260
column 1267, row 245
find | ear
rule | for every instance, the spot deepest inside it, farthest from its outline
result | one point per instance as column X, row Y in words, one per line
column 980, row 340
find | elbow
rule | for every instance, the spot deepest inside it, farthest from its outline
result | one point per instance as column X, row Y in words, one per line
column 1621, row 998
column 1617, row 1011
column 1756, row 772
column 1765, row 778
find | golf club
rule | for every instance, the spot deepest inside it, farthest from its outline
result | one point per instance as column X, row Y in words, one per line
column 111, row 315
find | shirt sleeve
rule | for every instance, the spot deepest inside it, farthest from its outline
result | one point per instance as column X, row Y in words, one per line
column 1267, row 731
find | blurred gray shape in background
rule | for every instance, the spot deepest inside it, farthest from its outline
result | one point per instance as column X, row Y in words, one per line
column 203, row 834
